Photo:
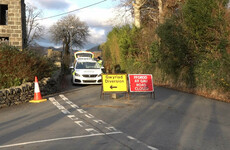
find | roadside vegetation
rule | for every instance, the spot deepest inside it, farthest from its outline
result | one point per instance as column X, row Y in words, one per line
column 188, row 51
column 17, row 67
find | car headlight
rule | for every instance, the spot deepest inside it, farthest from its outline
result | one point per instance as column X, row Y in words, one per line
column 76, row 74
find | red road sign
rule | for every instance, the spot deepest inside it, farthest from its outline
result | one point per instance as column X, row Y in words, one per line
column 141, row 83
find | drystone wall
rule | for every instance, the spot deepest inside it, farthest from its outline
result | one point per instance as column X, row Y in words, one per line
column 25, row 92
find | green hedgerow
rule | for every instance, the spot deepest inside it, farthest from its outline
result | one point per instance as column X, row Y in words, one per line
column 17, row 67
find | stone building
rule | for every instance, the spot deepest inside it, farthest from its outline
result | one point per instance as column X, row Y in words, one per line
column 13, row 22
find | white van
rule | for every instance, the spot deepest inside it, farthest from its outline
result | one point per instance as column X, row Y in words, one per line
column 86, row 72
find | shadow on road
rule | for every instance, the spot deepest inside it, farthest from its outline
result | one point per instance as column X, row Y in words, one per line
column 66, row 84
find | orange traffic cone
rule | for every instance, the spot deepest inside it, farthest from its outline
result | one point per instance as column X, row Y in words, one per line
column 37, row 93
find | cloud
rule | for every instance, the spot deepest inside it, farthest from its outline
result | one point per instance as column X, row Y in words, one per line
column 97, row 36
column 96, row 16
column 54, row 4
column 104, row 17
column 47, row 23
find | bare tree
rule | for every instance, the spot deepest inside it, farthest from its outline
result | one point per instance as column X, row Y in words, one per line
column 137, row 12
column 123, row 13
column 150, row 10
column 168, row 7
column 133, row 7
column 34, row 29
column 138, row 9
column 69, row 31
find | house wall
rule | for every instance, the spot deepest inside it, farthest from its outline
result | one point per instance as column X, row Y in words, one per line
column 15, row 29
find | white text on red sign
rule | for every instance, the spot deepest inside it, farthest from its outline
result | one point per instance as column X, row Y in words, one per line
column 140, row 83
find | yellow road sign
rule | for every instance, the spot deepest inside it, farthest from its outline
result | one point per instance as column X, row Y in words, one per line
column 114, row 82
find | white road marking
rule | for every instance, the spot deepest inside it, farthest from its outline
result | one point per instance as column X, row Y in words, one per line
column 64, row 98
column 54, row 139
column 81, row 111
column 99, row 121
column 152, row 148
column 51, row 99
column 131, row 138
column 81, row 123
column 111, row 128
column 74, row 106
column 89, row 116
column 65, row 112
column 109, row 133
column 91, row 130
column 59, row 106
column 72, row 117
column 68, row 101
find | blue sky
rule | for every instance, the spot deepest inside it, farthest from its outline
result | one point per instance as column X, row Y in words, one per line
column 100, row 18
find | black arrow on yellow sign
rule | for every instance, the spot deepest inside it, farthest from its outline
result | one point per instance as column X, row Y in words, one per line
column 112, row 87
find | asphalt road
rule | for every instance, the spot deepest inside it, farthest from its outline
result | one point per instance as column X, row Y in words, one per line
column 77, row 119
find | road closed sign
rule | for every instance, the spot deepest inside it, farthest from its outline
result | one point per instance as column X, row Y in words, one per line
column 141, row 83
column 114, row 83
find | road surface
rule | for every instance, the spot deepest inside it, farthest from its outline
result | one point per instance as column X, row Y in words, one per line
column 78, row 119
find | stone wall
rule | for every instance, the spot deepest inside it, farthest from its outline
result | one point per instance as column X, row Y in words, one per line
column 15, row 29
column 55, row 56
column 25, row 92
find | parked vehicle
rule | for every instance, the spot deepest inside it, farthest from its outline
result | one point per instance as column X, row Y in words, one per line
column 86, row 72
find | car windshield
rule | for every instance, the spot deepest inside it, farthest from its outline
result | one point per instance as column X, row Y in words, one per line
column 87, row 65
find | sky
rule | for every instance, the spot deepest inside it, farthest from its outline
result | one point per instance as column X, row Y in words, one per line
column 100, row 18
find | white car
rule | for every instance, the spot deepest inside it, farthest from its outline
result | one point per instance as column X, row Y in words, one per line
column 87, row 72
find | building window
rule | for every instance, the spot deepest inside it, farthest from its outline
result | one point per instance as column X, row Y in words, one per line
column 4, row 40
column 3, row 14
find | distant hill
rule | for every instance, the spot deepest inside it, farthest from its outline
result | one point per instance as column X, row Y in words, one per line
column 43, row 50
column 95, row 49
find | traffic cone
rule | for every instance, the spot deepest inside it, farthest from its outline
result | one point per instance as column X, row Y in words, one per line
column 37, row 93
